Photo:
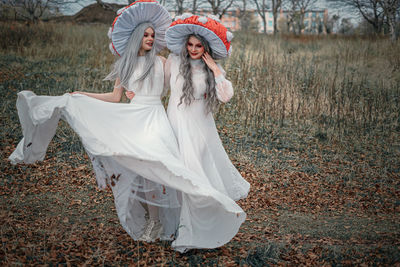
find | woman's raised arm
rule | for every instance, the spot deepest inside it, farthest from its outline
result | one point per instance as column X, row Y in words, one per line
column 114, row 96
column 223, row 86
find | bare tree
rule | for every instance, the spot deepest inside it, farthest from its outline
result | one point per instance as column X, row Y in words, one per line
column 390, row 9
column 162, row 2
column 34, row 10
column 298, row 9
column 182, row 6
column 219, row 7
column 377, row 13
column 370, row 11
column 179, row 6
column 242, row 11
column 276, row 6
column 346, row 27
column 29, row 10
column 331, row 23
column 246, row 18
column 293, row 16
column 195, row 6
column 262, row 8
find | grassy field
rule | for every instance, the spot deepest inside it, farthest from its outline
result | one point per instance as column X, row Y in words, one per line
column 314, row 126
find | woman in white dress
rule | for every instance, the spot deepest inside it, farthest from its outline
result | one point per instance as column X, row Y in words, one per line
column 197, row 85
column 132, row 146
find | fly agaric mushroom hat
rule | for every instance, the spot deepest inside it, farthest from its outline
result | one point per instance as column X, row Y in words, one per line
column 210, row 28
column 129, row 17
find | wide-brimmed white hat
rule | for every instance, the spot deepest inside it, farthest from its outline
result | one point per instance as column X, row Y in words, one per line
column 210, row 28
column 134, row 14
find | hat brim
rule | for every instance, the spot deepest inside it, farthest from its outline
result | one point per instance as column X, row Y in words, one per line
column 136, row 14
column 177, row 34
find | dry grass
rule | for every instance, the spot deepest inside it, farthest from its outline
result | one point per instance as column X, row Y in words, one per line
column 344, row 87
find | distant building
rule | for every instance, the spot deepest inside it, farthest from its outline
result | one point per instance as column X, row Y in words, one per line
column 231, row 20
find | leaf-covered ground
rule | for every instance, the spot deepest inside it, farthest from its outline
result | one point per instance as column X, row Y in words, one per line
column 312, row 201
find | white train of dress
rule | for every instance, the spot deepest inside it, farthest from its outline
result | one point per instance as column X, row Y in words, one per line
column 127, row 142
column 198, row 139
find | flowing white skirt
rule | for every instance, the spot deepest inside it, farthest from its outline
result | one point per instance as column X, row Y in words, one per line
column 127, row 142
column 202, row 149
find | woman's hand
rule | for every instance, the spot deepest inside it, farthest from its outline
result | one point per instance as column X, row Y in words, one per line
column 130, row 94
column 211, row 64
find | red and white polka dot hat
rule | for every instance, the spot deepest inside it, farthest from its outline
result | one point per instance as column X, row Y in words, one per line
column 131, row 16
column 210, row 28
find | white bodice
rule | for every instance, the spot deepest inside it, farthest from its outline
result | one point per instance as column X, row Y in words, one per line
column 175, row 80
column 153, row 84
column 198, row 78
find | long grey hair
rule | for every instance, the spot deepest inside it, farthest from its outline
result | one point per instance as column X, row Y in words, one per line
column 125, row 66
column 185, row 70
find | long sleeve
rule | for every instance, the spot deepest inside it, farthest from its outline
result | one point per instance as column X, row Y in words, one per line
column 167, row 75
column 223, row 87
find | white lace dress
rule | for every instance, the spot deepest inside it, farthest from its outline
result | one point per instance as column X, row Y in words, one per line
column 198, row 139
column 127, row 142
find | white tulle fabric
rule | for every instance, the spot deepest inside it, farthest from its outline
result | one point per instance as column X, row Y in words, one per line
column 198, row 139
column 134, row 150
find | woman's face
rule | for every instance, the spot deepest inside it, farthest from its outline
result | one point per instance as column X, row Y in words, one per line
column 195, row 48
column 148, row 39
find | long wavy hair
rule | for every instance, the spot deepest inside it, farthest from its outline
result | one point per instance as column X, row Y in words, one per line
column 126, row 65
column 185, row 70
